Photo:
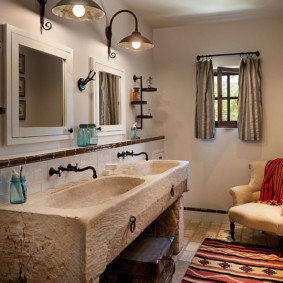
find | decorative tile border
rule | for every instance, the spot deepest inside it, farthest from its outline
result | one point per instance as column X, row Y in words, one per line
column 70, row 152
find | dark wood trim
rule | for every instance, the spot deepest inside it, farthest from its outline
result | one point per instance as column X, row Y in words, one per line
column 5, row 163
column 220, row 72
column 206, row 210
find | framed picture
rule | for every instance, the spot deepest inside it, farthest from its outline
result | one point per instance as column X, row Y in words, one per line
column 22, row 64
column 22, row 110
column 22, row 87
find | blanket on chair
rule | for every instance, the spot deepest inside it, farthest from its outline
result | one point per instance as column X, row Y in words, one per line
column 272, row 186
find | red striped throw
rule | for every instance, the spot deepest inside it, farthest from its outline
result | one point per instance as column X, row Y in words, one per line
column 272, row 186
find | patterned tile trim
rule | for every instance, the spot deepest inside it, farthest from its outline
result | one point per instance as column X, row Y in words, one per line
column 70, row 152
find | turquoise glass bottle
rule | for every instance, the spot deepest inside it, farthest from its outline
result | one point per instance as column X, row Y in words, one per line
column 18, row 190
column 93, row 137
column 83, row 135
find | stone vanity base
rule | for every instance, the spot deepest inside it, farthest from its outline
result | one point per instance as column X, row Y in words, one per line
column 39, row 243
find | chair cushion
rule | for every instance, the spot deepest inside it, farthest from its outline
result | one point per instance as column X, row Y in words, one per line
column 258, row 216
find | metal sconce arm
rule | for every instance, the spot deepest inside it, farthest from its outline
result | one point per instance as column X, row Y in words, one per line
column 108, row 30
column 44, row 25
column 83, row 82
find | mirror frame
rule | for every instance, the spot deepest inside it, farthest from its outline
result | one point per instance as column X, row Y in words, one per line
column 13, row 37
column 99, row 66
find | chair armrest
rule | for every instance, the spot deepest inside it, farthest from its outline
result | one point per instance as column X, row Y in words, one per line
column 243, row 194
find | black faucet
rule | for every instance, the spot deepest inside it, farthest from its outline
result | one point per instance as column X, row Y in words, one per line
column 71, row 168
column 122, row 154
column 136, row 154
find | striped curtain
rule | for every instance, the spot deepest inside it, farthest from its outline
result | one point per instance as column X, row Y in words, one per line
column 205, row 119
column 250, row 101
column 109, row 95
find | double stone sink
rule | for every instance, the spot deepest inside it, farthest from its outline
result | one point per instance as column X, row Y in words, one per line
column 71, row 233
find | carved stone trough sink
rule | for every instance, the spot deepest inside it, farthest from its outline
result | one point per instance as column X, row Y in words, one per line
column 70, row 233
column 92, row 193
column 152, row 167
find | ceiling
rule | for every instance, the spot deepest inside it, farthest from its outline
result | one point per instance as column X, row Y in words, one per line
column 170, row 13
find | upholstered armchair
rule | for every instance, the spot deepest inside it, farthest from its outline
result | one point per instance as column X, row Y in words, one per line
column 253, row 215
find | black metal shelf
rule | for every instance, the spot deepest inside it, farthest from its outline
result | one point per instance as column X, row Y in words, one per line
column 144, row 116
column 149, row 89
column 139, row 102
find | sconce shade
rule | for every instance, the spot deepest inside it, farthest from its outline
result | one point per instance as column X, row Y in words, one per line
column 136, row 36
column 64, row 9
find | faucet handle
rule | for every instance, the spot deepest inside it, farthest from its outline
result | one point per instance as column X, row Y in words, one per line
column 70, row 166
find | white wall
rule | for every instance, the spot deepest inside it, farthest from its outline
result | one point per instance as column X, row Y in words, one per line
column 221, row 163
column 87, row 39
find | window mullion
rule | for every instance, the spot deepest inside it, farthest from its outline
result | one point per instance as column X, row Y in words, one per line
column 219, row 84
column 228, row 98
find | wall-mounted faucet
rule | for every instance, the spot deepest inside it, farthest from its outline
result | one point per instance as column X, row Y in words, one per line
column 122, row 154
column 71, row 168
column 128, row 153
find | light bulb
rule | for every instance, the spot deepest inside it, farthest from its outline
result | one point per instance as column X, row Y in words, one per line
column 136, row 44
column 78, row 10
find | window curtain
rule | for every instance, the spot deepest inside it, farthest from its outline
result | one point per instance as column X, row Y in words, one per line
column 205, row 118
column 250, row 100
column 109, row 89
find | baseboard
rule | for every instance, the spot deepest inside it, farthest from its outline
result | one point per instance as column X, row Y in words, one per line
column 206, row 210
column 206, row 215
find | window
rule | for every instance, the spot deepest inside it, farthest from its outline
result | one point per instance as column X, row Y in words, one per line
column 226, row 92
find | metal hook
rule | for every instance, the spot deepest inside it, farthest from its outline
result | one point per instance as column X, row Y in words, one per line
column 83, row 82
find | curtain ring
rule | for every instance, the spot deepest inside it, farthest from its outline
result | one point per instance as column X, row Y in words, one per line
column 242, row 55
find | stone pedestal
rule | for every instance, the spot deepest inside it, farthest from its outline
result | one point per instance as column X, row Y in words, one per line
column 171, row 223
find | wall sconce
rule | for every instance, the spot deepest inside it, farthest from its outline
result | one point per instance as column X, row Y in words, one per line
column 135, row 41
column 83, row 82
column 47, row 25
column 80, row 10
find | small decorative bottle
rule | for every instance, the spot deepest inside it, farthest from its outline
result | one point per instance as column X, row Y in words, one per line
column 83, row 135
column 18, row 189
column 93, row 137
column 136, row 94
column 134, row 132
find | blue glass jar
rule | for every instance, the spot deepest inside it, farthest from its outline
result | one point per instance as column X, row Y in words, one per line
column 93, row 137
column 18, row 190
column 83, row 135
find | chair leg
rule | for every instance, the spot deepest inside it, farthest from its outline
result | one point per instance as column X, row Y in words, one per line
column 280, row 245
column 232, row 230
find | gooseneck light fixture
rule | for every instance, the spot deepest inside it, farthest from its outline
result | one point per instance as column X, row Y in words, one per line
column 80, row 10
column 135, row 41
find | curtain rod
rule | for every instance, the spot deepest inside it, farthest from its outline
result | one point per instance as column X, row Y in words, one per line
column 229, row 54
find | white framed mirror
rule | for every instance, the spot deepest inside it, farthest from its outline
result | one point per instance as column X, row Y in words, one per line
column 39, row 92
column 109, row 98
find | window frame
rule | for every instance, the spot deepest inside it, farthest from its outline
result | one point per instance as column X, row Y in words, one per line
column 219, row 73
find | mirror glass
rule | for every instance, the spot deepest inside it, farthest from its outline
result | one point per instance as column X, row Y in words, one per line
column 41, row 90
column 109, row 99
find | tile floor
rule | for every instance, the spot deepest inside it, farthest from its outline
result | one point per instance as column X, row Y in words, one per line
column 197, row 231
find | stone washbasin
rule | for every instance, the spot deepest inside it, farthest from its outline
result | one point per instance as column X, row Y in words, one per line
column 72, row 232
column 92, row 193
column 151, row 167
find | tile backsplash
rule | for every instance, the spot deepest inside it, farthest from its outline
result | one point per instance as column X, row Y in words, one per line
column 37, row 172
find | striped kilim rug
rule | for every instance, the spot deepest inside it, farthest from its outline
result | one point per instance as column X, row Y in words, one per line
column 219, row 261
